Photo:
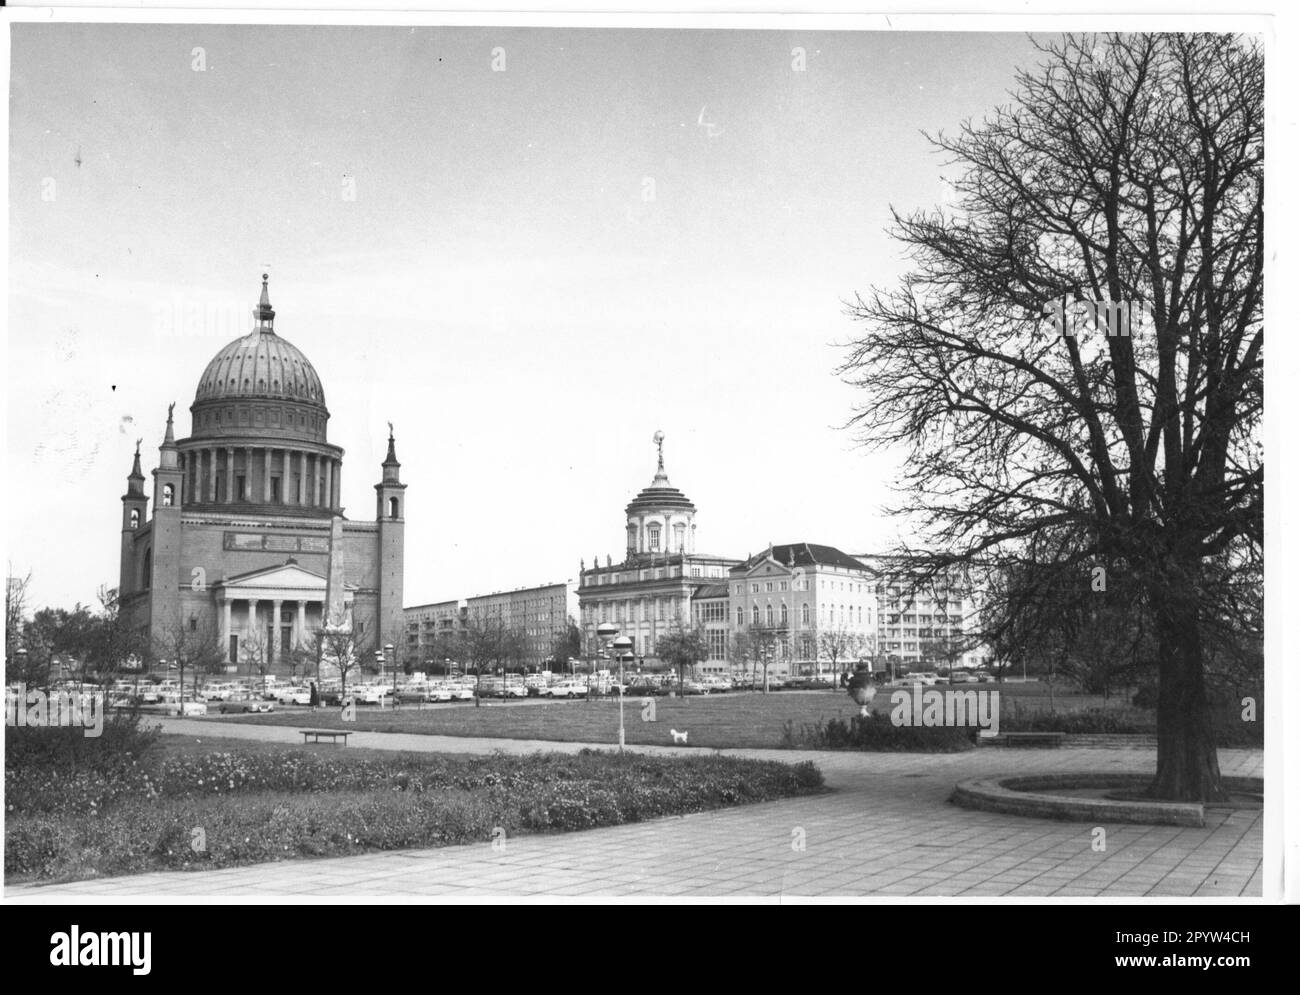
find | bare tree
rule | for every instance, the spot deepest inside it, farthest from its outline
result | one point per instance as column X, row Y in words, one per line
column 1128, row 171
column 838, row 645
column 194, row 645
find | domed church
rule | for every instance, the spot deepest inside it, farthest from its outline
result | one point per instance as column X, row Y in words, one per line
column 247, row 540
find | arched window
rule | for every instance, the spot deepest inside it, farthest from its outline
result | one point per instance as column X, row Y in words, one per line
column 740, row 616
column 803, row 613
column 147, row 573
column 654, row 538
column 785, row 614
column 168, row 495
column 756, row 614
column 769, row 615
column 135, row 518
column 392, row 507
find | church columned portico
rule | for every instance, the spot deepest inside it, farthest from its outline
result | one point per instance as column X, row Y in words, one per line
column 281, row 607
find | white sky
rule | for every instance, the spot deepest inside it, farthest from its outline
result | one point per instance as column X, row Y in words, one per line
column 499, row 289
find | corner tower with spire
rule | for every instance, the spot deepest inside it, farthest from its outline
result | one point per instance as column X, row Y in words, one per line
column 390, row 514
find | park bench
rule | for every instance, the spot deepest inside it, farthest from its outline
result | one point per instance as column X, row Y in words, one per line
column 315, row 735
column 1050, row 739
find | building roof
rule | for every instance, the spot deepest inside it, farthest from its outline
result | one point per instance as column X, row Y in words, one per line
column 805, row 554
column 711, row 591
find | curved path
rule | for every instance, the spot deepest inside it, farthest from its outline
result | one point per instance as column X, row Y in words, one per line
column 886, row 830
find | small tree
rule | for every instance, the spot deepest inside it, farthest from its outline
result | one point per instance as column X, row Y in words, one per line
column 682, row 648
column 254, row 651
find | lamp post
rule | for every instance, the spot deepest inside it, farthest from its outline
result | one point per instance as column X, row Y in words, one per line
column 391, row 654
column 623, row 647
column 605, row 632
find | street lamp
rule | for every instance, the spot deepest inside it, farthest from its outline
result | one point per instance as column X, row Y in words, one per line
column 391, row 654
column 623, row 647
column 605, row 632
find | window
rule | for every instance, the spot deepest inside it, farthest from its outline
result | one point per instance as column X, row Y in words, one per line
column 753, row 588
column 784, row 585
column 769, row 616
column 785, row 614
column 654, row 538
column 168, row 495
column 740, row 617
column 756, row 614
column 275, row 490
column 803, row 613
column 392, row 507
column 135, row 518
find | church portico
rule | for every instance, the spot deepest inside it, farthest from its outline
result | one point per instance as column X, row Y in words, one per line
column 280, row 609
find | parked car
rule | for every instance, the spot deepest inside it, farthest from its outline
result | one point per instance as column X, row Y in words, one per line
column 241, row 705
column 962, row 677
column 569, row 689
column 293, row 695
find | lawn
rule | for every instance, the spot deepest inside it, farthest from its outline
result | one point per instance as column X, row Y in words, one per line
column 151, row 803
column 733, row 720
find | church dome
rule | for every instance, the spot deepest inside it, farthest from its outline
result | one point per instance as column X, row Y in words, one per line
column 260, row 365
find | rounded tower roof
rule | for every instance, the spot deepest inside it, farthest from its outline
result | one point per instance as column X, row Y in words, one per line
column 260, row 365
column 660, row 495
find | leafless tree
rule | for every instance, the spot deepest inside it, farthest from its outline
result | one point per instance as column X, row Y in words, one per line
column 1128, row 168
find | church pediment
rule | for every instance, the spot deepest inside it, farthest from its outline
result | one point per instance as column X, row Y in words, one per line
column 285, row 577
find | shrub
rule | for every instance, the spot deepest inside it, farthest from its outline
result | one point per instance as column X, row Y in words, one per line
column 878, row 735
column 253, row 807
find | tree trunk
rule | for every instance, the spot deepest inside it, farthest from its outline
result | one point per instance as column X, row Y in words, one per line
column 1187, row 764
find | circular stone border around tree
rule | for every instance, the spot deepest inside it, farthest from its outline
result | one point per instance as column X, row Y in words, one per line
column 1028, row 795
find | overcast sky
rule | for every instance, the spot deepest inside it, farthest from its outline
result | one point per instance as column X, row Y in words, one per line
column 623, row 231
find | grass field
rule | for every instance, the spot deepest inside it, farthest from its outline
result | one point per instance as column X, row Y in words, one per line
column 737, row 719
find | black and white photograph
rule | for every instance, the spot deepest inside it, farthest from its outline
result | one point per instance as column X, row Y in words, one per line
column 638, row 459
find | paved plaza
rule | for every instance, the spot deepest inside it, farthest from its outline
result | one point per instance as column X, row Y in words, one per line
column 886, row 829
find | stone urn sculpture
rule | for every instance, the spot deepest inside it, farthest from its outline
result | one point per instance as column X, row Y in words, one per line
column 862, row 690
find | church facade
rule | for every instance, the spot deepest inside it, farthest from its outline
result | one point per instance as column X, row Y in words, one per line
column 247, row 526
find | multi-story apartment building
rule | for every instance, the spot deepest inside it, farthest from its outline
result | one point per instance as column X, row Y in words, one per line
column 925, row 624
column 540, row 614
column 427, row 630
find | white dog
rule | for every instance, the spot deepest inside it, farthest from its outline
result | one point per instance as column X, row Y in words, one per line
column 678, row 737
